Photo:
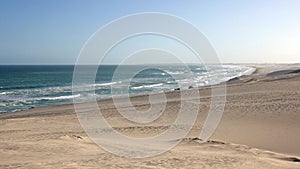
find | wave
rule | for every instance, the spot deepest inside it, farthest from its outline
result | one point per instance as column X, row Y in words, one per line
column 24, row 101
column 6, row 93
column 14, row 103
column 250, row 71
column 107, row 84
column 15, row 98
column 58, row 97
column 21, row 87
column 147, row 86
column 59, row 90
column 159, row 73
column 175, row 72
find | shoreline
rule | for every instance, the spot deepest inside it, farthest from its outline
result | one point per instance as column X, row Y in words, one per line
column 259, row 71
column 260, row 118
column 147, row 93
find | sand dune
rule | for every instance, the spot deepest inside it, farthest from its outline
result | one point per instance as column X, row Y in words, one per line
column 259, row 129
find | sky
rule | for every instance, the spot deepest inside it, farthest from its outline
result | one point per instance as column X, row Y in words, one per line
column 54, row 31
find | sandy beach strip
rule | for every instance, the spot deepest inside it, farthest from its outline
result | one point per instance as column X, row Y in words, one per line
column 259, row 129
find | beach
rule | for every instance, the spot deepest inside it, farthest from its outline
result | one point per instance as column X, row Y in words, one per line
column 259, row 129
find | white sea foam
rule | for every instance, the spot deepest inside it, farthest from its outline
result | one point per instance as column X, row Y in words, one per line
column 59, row 97
column 147, row 86
column 24, row 98
column 6, row 93
column 107, row 84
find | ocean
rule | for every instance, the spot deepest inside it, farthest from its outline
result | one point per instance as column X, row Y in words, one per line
column 24, row 87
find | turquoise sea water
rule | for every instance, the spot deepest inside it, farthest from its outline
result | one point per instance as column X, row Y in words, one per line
column 23, row 87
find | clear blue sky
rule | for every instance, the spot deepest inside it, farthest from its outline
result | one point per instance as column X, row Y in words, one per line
column 53, row 31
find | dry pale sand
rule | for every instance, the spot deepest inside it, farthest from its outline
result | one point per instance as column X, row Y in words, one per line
column 259, row 129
